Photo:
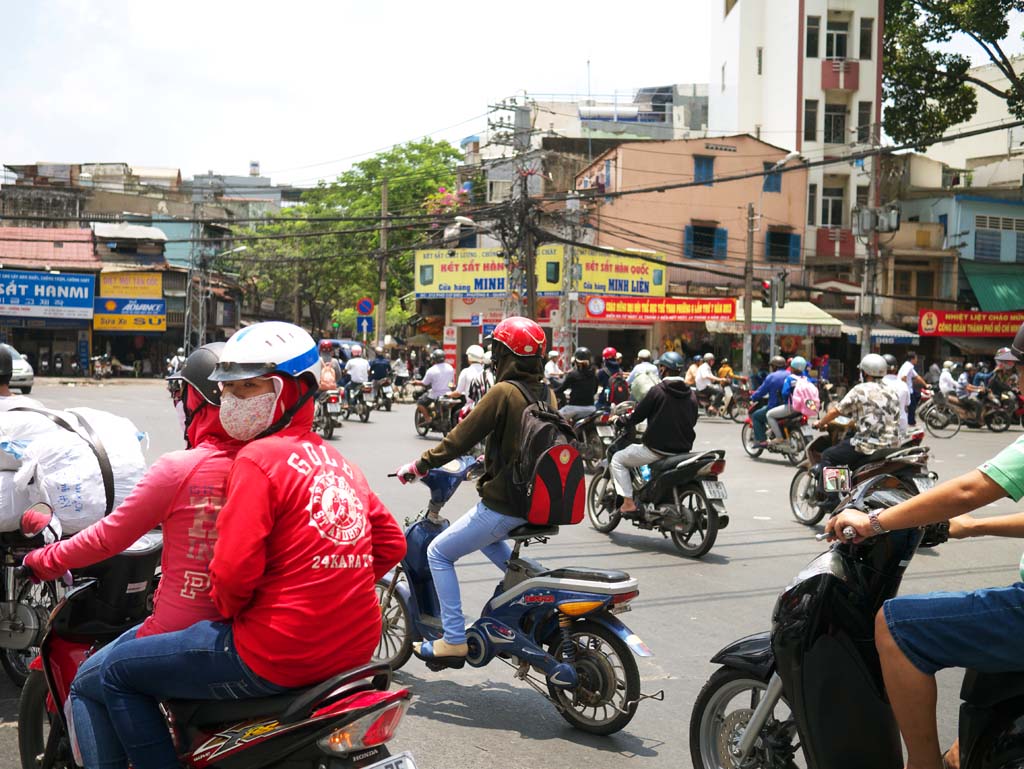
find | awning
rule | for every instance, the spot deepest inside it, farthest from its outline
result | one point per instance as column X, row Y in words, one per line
column 999, row 287
column 881, row 333
column 795, row 319
column 978, row 345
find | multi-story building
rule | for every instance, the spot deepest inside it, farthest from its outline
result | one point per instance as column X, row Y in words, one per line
column 805, row 75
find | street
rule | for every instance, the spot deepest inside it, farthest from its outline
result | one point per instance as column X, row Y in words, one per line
column 687, row 610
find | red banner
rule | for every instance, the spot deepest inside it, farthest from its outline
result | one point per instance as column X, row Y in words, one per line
column 660, row 308
column 942, row 323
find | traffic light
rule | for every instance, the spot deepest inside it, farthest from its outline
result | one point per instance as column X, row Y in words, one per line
column 335, row 325
column 780, row 290
column 766, row 292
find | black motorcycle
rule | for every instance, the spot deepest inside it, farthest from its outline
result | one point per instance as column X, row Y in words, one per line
column 679, row 495
column 359, row 402
column 326, row 413
column 444, row 414
column 385, row 395
column 805, row 685
column 594, row 433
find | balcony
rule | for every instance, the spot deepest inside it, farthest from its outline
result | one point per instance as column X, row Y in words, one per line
column 840, row 75
column 833, row 239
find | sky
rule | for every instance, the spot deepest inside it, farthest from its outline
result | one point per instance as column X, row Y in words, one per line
column 306, row 88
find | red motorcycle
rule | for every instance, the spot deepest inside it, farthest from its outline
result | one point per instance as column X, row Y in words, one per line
column 342, row 722
column 796, row 435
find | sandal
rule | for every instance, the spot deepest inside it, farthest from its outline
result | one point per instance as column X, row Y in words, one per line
column 425, row 652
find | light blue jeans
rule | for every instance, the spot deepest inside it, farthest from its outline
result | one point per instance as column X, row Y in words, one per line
column 480, row 529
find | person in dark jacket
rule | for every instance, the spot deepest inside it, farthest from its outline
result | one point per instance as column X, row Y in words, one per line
column 670, row 409
column 518, row 350
column 581, row 383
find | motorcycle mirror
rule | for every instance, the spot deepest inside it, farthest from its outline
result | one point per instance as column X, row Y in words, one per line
column 39, row 519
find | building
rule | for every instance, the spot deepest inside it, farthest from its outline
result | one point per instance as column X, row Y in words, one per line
column 805, row 75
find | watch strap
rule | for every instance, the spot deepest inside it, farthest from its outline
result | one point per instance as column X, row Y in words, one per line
column 876, row 525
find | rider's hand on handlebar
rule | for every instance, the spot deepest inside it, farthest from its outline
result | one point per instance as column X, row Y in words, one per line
column 408, row 473
column 854, row 519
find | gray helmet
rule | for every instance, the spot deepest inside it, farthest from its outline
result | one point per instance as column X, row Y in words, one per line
column 777, row 363
column 873, row 364
column 6, row 361
column 197, row 369
column 672, row 361
column 891, row 362
column 437, row 356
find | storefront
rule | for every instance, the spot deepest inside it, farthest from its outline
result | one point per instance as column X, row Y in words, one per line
column 130, row 321
column 801, row 328
column 967, row 334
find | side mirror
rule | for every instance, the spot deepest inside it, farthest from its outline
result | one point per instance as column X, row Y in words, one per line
column 40, row 520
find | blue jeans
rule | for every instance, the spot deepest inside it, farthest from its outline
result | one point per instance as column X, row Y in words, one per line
column 480, row 529
column 197, row 663
column 94, row 732
column 760, row 420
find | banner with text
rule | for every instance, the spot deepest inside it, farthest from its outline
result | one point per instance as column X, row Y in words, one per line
column 138, row 316
column 943, row 323
column 664, row 308
column 132, row 285
column 474, row 272
column 46, row 295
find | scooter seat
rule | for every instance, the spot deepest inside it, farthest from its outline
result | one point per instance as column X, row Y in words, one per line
column 667, row 463
column 531, row 531
column 590, row 575
column 984, row 690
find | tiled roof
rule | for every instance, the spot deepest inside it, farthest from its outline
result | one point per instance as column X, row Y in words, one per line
column 38, row 248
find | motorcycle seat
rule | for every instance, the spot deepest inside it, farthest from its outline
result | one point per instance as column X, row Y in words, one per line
column 669, row 462
column 984, row 690
column 531, row 531
column 588, row 574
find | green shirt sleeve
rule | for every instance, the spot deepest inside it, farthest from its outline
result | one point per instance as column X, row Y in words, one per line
column 1007, row 469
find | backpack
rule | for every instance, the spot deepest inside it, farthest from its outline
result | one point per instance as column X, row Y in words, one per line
column 545, row 480
column 478, row 387
column 644, row 381
column 328, row 377
column 618, row 388
column 805, row 397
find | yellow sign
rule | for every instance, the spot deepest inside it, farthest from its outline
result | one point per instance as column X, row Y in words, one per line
column 466, row 272
column 132, row 285
column 140, row 316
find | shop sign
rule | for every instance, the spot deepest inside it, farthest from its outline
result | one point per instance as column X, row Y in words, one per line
column 943, row 323
column 46, row 295
column 781, row 329
column 450, row 340
column 132, row 285
column 601, row 273
column 661, row 309
column 466, row 272
column 135, row 315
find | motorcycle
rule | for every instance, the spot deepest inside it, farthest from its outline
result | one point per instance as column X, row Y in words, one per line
column 342, row 722
column 76, row 369
column 801, row 686
column 385, row 394
column 944, row 418
column 908, row 464
column 58, row 365
column 444, row 414
column 737, row 401
column 101, row 367
column 594, row 433
column 556, row 628
column 326, row 412
column 704, row 402
column 360, row 402
column 679, row 495
column 796, row 435
column 44, row 366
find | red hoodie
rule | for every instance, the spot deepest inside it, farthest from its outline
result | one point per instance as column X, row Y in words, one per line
column 301, row 541
column 182, row 492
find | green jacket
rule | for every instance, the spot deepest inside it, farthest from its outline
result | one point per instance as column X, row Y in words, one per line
column 496, row 418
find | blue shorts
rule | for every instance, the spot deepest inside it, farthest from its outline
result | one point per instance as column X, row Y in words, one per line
column 981, row 629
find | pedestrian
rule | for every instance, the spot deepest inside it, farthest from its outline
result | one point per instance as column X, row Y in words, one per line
column 908, row 373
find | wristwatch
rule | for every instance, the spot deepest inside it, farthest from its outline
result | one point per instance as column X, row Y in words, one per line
column 876, row 526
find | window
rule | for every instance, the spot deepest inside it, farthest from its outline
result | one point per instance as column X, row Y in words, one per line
column 1019, row 255
column 902, row 280
column 782, row 246
column 836, row 34
column 835, row 124
column 812, row 202
column 499, row 190
column 704, row 242
column 864, row 122
column 987, row 245
column 832, row 207
column 867, row 32
column 944, row 221
column 813, row 33
column 760, row 61
column 925, row 284
column 810, row 120
column 863, row 193
column 553, row 272
column 704, row 169
column 772, row 181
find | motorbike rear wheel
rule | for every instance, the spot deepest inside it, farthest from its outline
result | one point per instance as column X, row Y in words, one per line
column 37, row 726
column 801, row 499
column 797, row 447
column 422, row 423
column 602, row 503
column 747, row 439
column 998, row 421
column 606, row 697
column 322, row 422
column 395, row 644
column 701, row 522
column 942, row 422
column 363, row 410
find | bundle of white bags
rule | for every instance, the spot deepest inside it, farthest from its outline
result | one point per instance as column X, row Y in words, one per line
column 41, row 461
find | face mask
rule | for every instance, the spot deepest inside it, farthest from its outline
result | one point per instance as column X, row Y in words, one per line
column 245, row 418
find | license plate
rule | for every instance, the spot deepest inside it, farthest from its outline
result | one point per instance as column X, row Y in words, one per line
column 334, row 408
column 714, row 490
column 605, row 431
column 807, row 431
column 387, row 391
column 401, row 761
column 924, row 482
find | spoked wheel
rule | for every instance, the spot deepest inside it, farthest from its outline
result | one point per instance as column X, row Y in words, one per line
column 697, row 526
column 395, row 645
column 606, row 697
column 803, row 501
column 422, row 422
column 998, row 421
column 747, row 438
column 942, row 422
column 720, row 714
column 739, row 414
column 729, row 412
column 363, row 410
column 593, row 452
column 603, row 503
column 15, row 662
column 37, row 727
column 797, row 447
column 323, row 423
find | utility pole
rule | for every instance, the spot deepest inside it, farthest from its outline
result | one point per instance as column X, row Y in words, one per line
column 382, row 299
column 190, row 289
column 529, row 249
column 748, row 296
column 569, row 293
column 867, row 293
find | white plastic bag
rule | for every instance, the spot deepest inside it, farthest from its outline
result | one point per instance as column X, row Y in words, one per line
column 17, row 430
column 12, row 502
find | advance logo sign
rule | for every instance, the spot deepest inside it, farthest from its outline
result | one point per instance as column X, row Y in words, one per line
column 137, row 316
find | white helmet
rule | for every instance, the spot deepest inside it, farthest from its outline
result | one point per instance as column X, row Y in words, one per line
column 487, row 358
column 475, row 353
column 644, row 354
column 268, row 348
column 357, row 350
column 552, row 354
column 948, row 365
column 874, row 364
column 709, row 357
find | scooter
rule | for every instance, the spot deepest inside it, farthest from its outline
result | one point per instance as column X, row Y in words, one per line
column 814, row 685
column 360, row 402
column 385, row 394
column 594, row 432
column 556, row 628
column 58, row 365
column 444, row 414
column 342, row 722
column 796, row 435
column 679, row 495
column 326, row 413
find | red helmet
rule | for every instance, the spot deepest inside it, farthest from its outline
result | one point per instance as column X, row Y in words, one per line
column 325, row 345
column 608, row 353
column 522, row 336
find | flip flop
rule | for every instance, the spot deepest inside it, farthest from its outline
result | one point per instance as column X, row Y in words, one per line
column 425, row 652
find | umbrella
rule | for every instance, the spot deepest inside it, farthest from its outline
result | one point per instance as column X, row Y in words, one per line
column 419, row 340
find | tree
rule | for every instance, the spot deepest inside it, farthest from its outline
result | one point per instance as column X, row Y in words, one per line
column 927, row 89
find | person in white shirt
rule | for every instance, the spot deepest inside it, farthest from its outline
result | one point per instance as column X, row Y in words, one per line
column 706, row 381
column 947, row 384
column 474, row 374
column 358, row 370
column 893, row 380
column 915, row 383
column 643, row 364
column 9, row 400
column 552, row 370
column 438, row 379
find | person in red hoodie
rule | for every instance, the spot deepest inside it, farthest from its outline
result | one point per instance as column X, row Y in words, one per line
column 301, row 542
column 182, row 492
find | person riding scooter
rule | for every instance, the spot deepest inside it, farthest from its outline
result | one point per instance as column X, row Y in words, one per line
column 358, row 370
column 581, row 383
column 473, row 380
column 797, row 368
column 709, row 385
column 670, row 408
column 771, row 389
column 437, row 379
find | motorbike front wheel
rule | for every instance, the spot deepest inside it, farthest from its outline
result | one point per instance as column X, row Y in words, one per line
column 422, row 423
column 605, row 698
column 15, row 662
column 602, row 503
column 720, row 714
column 395, row 644
column 802, row 492
column 747, row 438
column 998, row 421
column 697, row 529
column 37, row 726
column 593, row 451
column 942, row 422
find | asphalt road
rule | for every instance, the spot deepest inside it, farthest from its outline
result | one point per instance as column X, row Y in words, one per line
column 687, row 610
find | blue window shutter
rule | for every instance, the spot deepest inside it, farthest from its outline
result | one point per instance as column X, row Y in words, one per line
column 794, row 249
column 721, row 243
column 688, row 242
column 772, row 182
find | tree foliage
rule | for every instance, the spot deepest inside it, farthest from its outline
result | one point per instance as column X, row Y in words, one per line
column 927, row 89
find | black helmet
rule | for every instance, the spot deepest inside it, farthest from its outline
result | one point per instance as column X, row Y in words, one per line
column 6, row 362
column 437, row 356
column 777, row 362
column 197, row 369
column 671, row 361
column 583, row 354
column 891, row 362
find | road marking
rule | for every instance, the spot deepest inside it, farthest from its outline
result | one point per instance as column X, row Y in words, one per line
column 761, row 491
column 762, row 517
